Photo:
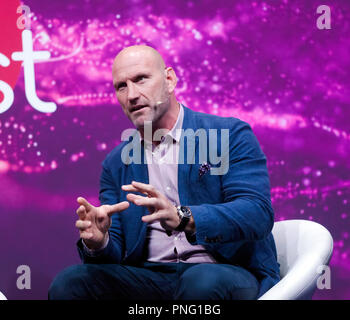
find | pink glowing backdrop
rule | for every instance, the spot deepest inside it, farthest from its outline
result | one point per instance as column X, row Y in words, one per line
column 264, row 62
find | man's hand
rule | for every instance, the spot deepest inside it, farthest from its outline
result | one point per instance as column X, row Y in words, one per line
column 94, row 222
column 160, row 208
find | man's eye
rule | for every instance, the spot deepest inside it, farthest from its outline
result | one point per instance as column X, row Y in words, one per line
column 141, row 78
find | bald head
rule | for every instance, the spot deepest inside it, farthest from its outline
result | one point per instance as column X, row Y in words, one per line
column 136, row 54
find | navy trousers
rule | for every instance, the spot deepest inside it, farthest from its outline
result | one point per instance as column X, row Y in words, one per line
column 154, row 281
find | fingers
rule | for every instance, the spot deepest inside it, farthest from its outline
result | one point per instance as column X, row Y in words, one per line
column 142, row 201
column 152, row 217
column 81, row 211
column 130, row 188
column 85, row 203
column 141, row 187
column 112, row 209
column 83, row 226
column 86, row 235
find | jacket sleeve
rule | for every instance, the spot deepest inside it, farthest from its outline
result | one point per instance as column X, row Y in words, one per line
column 113, row 252
column 246, row 212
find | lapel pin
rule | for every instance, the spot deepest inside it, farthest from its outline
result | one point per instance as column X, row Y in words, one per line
column 203, row 169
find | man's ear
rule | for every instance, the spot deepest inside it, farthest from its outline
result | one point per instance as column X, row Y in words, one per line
column 171, row 79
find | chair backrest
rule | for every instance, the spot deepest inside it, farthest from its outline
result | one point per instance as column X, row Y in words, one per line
column 303, row 249
column 2, row 297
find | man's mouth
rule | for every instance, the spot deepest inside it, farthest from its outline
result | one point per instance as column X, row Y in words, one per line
column 136, row 108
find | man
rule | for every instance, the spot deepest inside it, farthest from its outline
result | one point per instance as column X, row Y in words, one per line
column 170, row 229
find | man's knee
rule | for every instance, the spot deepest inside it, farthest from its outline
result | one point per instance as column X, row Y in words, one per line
column 214, row 282
column 70, row 283
column 91, row 282
column 198, row 283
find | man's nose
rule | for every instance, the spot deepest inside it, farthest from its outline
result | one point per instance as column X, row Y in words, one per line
column 133, row 92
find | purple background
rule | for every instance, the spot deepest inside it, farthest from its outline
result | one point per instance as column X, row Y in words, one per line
column 263, row 62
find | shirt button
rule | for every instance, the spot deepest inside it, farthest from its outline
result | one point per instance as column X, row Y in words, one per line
column 168, row 188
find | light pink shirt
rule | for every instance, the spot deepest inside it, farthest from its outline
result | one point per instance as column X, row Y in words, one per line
column 162, row 173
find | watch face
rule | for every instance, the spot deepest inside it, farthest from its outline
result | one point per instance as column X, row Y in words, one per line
column 186, row 212
column 185, row 215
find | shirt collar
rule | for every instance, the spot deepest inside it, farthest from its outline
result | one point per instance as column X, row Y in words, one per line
column 175, row 131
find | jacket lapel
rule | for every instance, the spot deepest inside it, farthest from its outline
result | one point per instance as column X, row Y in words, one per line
column 184, row 169
column 138, row 172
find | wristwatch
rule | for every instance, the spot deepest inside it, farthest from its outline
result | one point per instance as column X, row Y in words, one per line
column 185, row 215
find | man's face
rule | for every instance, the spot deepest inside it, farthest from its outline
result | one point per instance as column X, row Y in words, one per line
column 141, row 87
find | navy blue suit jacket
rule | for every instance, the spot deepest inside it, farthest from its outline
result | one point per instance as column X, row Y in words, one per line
column 232, row 212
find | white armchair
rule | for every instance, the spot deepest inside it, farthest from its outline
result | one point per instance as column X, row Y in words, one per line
column 303, row 247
